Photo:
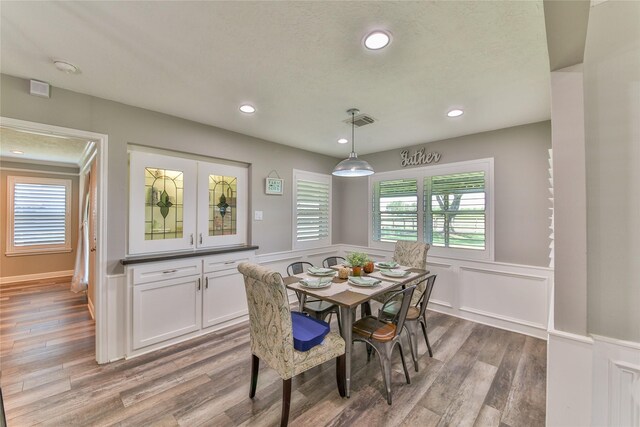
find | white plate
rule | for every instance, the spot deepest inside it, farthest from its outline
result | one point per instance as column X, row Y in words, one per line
column 394, row 273
column 390, row 264
column 321, row 273
column 315, row 283
column 373, row 283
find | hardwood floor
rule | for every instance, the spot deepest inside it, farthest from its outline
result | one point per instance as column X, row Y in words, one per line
column 479, row 376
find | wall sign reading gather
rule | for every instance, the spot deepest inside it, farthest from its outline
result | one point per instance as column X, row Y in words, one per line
column 419, row 157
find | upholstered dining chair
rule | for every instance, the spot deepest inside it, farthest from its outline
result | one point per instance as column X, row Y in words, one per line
column 409, row 254
column 382, row 333
column 272, row 337
column 331, row 261
column 317, row 308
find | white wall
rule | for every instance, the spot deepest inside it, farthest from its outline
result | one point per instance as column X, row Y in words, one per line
column 612, row 119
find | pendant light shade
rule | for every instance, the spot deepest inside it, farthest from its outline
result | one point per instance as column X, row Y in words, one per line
column 353, row 166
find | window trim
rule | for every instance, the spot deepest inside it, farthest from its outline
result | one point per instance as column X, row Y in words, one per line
column 11, row 249
column 310, row 176
column 420, row 173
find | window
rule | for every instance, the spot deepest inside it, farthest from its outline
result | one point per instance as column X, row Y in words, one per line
column 395, row 210
column 455, row 210
column 448, row 206
column 39, row 215
column 312, row 210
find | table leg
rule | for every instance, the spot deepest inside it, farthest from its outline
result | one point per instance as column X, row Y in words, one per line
column 347, row 320
column 302, row 298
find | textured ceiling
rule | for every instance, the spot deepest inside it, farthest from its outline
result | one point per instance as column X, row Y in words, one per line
column 302, row 64
column 40, row 148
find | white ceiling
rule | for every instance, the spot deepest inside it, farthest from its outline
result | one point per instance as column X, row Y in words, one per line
column 41, row 148
column 302, row 64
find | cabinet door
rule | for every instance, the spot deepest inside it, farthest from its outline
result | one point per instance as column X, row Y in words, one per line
column 166, row 309
column 223, row 298
column 222, row 205
column 162, row 203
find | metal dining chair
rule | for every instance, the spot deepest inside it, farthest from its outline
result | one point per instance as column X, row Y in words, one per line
column 314, row 307
column 331, row 261
column 382, row 333
column 417, row 314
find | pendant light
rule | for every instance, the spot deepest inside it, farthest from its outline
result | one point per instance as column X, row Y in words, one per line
column 353, row 166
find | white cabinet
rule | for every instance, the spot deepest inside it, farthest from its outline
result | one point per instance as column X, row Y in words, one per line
column 224, row 298
column 183, row 298
column 180, row 204
column 166, row 309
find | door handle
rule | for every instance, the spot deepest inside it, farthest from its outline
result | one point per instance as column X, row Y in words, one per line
column 199, row 284
column 200, row 238
column 206, row 283
column 191, row 239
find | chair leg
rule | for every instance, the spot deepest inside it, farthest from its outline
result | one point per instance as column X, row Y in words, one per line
column 413, row 341
column 255, row 365
column 365, row 309
column 426, row 338
column 339, row 322
column 369, row 351
column 286, row 402
column 385, row 364
column 341, row 362
column 404, row 364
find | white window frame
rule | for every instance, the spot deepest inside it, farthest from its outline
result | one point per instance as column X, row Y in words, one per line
column 317, row 177
column 484, row 165
column 13, row 250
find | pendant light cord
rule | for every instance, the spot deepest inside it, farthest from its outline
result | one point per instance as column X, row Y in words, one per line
column 353, row 125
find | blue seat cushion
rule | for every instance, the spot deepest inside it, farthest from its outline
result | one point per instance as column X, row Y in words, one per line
column 307, row 331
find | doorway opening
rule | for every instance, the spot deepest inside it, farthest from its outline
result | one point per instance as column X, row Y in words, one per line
column 64, row 156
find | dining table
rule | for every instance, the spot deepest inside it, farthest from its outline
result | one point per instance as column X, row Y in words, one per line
column 348, row 296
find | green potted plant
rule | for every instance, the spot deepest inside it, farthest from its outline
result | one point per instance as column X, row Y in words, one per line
column 357, row 261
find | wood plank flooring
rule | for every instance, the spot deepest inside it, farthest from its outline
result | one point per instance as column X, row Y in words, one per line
column 479, row 376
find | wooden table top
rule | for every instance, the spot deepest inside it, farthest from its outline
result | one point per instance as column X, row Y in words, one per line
column 344, row 294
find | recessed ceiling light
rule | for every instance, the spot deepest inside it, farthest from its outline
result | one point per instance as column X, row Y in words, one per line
column 246, row 108
column 343, row 141
column 455, row 113
column 66, row 67
column 377, row 40
column 17, row 152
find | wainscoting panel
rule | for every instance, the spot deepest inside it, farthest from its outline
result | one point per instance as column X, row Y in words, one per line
column 504, row 294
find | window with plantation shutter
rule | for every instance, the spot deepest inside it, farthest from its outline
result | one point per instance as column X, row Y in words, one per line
column 395, row 210
column 455, row 210
column 450, row 206
column 312, row 209
column 39, row 215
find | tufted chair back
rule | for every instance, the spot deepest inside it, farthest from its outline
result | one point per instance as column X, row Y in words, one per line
column 413, row 254
column 269, row 317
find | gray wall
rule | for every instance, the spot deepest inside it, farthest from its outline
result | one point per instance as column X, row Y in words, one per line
column 612, row 135
column 521, row 197
column 570, row 201
column 125, row 124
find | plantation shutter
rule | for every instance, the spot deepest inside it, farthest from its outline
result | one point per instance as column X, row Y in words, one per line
column 39, row 214
column 395, row 210
column 312, row 210
column 455, row 210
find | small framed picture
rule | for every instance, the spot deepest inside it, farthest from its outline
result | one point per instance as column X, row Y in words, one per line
column 274, row 186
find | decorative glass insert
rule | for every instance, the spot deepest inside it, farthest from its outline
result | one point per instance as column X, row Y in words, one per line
column 223, row 205
column 163, row 214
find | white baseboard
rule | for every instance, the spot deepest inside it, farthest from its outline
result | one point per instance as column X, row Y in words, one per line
column 36, row 276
